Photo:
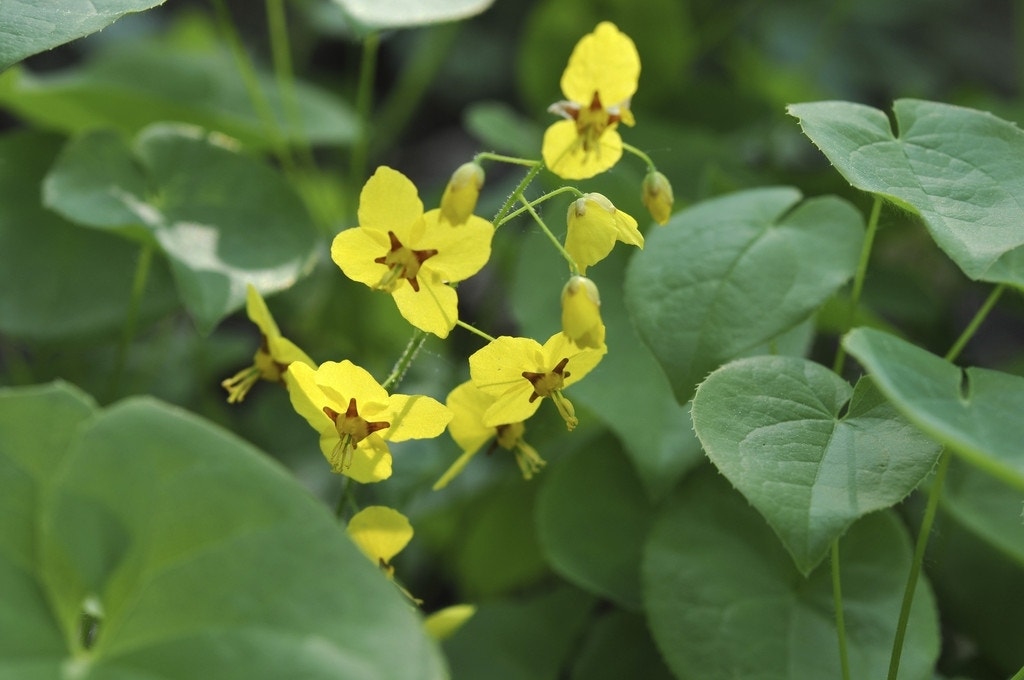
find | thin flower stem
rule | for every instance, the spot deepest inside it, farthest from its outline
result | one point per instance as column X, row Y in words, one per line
column 639, row 154
column 364, row 102
column 513, row 160
column 475, row 330
column 934, row 493
column 517, row 193
column 131, row 317
column 412, row 348
column 252, row 86
column 975, row 323
column 837, row 597
column 344, row 498
column 537, row 201
column 858, row 280
column 281, row 55
column 561, row 249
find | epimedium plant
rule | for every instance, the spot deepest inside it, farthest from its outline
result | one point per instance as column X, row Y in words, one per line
column 142, row 540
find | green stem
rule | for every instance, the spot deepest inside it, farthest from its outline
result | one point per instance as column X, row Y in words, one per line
column 131, row 317
column 837, row 597
column 475, row 330
column 281, row 55
column 364, row 103
column 537, row 201
column 975, row 323
column 412, row 348
column 512, row 160
column 499, row 217
column 561, row 249
column 252, row 85
column 934, row 493
column 346, row 496
column 639, row 154
column 858, row 280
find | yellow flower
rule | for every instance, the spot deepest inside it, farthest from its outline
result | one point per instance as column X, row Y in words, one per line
column 272, row 358
column 461, row 194
column 443, row 623
column 414, row 256
column 581, row 313
column 598, row 83
column 656, row 194
column 381, row 533
column 519, row 372
column 355, row 415
column 468, row 406
column 594, row 225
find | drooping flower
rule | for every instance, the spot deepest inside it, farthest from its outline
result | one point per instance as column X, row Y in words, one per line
column 468, row 406
column 356, row 417
column 273, row 357
column 519, row 373
column 656, row 193
column 380, row 533
column 594, row 225
column 459, row 199
column 414, row 256
column 581, row 313
column 598, row 83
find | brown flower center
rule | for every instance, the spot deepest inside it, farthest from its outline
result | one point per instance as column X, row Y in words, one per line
column 402, row 263
column 546, row 384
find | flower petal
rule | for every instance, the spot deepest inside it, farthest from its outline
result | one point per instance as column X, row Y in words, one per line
column 354, row 250
column 416, row 417
column 380, row 532
column 462, row 251
column 308, row 399
column 370, row 462
column 389, row 201
column 606, row 62
column 434, row 308
column 581, row 360
column 350, row 381
column 513, row 406
column 564, row 155
column 259, row 314
column 498, row 366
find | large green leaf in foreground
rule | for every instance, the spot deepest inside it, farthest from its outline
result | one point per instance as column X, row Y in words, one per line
column 724, row 601
column 730, row 274
column 223, row 219
column 962, row 170
column 30, row 26
column 197, row 555
column 977, row 412
column 808, row 451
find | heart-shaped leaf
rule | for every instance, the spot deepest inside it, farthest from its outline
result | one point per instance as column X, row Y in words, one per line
column 776, row 428
column 724, row 601
column 28, row 27
column 977, row 412
column 223, row 219
column 730, row 274
column 140, row 541
column 90, row 297
column 592, row 519
column 962, row 170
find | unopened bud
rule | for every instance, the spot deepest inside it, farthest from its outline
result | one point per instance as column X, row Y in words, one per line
column 581, row 313
column 594, row 225
column 461, row 194
column 656, row 193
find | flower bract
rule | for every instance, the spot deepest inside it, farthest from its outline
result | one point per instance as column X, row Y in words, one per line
column 519, row 373
column 581, row 313
column 356, row 417
column 381, row 533
column 598, row 83
column 411, row 255
column 594, row 224
column 274, row 355
column 468, row 405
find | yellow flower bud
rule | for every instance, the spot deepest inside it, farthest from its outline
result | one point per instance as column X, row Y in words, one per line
column 581, row 313
column 656, row 193
column 459, row 199
column 594, row 224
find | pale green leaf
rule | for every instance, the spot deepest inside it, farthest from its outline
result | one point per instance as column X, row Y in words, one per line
column 407, row 13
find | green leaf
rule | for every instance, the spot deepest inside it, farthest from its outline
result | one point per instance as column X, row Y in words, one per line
column 502, row 129
column 406, row 13
column 132, row 86
column 197, row 555
column 809, row 452
column 28, row 27
column 528, row 638
column 619, row 646
column 960, row 169
column 654, row 429
column 90, row 296
column 724, row 601
column 975, row 412
column 730, row 274
column 592, row 519
column 223, row 219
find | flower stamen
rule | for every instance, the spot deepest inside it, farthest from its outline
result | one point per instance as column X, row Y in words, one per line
column 545, row 384
column 402, row 263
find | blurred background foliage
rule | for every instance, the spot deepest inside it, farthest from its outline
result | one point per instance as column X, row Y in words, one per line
column 711, row 113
